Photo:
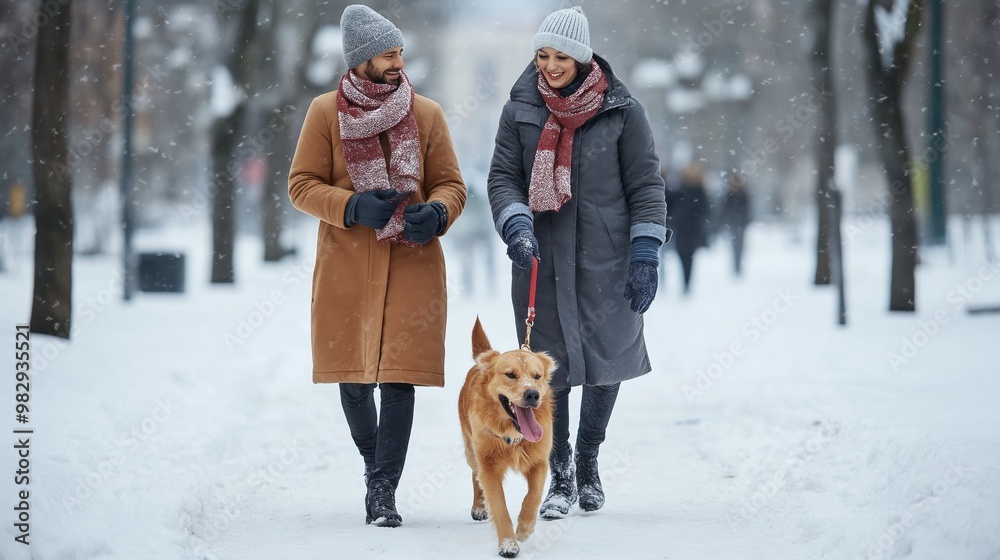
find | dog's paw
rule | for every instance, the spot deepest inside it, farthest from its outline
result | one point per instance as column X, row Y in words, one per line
column 524, row 530
column 509, row 548
column 480, row 514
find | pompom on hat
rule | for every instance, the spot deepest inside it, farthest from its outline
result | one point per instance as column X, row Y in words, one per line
column 366, row 34
column 567, row 31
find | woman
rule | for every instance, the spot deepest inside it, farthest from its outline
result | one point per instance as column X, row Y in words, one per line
column 575, row 182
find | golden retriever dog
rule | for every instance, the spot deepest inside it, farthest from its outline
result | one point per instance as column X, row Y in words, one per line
column 506, row 424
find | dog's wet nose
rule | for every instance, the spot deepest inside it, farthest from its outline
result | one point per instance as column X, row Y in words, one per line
column 531, row 397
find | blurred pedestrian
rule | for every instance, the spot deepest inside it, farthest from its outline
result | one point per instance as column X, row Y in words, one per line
column 575, row 182
column 688, row 209
column 735, row 216
column 375, row 164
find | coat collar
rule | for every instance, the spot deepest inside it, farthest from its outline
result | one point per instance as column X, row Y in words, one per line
column 526, row 88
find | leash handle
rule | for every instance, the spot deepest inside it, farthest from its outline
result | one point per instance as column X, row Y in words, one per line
column 529, row 321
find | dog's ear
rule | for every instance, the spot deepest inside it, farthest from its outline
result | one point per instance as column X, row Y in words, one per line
column 485, row 360
column 480, row 343
column 548, row 362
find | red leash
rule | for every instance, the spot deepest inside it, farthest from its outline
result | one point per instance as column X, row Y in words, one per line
column 530, row 320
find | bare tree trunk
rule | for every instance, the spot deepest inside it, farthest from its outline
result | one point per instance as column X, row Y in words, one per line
column 826, row 135
column 52, row 303
column 226, row 136
column 886, row 82
column 276, row 190
column 988, row 124
column 287, row 79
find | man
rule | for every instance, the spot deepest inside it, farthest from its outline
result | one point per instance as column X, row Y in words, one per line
column 375, row 164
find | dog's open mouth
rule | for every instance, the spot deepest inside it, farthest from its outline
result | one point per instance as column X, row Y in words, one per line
column 524, row 419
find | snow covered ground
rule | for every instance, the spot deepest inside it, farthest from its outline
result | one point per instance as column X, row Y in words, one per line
column 187, row 426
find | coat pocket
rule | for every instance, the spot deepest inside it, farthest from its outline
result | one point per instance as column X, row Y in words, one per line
column 614, row 228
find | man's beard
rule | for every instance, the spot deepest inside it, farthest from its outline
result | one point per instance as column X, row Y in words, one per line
column 372, row 74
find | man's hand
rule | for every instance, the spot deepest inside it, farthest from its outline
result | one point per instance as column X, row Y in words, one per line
column 373, row 208
column 421, row 222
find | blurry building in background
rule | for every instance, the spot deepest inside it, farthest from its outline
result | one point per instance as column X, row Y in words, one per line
column 724, row 83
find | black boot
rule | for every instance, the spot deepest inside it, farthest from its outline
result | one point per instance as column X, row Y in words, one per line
column 369, row 469
column 596, row 407
column 562, row 490
column 588, row 481
column 380, row 505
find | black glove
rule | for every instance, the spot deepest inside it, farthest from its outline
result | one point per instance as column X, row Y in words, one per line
column 519, row 235
column 421, row 222
column 640, row 286
column 372, row 208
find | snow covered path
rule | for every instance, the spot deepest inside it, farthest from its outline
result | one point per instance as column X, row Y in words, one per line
column 188, row 427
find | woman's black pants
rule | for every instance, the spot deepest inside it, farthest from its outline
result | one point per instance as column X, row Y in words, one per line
column 595, row 412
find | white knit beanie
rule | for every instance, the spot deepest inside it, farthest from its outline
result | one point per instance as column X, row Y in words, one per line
column 366, row 34
column 567, row 31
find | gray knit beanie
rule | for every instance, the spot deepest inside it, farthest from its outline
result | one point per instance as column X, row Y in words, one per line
column 567, row 31
column 367, row 34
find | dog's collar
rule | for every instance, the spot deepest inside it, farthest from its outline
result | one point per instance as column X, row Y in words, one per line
column 509, row 440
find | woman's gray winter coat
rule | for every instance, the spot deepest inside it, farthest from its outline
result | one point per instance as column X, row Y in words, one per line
column 582, row 318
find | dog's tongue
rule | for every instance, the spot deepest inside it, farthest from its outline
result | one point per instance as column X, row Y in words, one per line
column 530, row 428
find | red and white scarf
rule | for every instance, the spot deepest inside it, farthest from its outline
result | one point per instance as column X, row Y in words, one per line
column 366, row 110
column 550, row 175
